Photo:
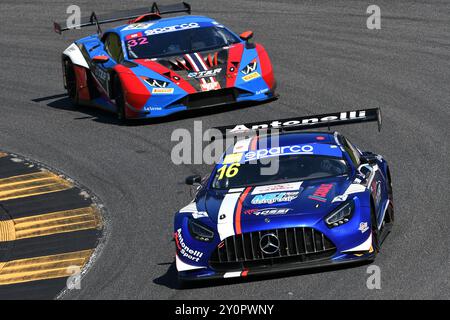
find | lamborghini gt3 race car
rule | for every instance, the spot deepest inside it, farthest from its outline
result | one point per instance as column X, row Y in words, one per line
column 328, row 203
column 153, row 67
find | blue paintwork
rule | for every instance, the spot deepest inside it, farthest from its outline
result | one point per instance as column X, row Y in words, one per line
column 257, row 89
column 304, row 211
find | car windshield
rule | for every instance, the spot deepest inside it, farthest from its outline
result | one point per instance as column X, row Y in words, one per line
column 290, row 168
column 179, row 42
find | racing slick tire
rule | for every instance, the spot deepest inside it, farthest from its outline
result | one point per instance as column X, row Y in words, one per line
column 390, row 211
column 71, row 82
column 375, row 235
column 120, row 101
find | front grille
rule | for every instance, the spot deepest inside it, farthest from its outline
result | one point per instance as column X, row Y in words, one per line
column 296, row 245
column 210, row 98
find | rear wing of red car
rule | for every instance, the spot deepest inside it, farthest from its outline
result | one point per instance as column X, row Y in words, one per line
column 136, row 15
column 303, row 123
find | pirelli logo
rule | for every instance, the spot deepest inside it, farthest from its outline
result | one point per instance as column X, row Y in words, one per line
column 251, row 76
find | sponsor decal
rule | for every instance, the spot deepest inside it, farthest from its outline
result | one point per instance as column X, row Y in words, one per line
column 136, row 26
column 134, row 36
column 277, row 151
column 272, row 198
column 162, row 91
column 155, row 83
column 321, row 192
column 304, row 121
column 205, row 73
column 251, row 76
column 152, row 108
column 199, row 214
column 177, row 27
column 294, row 186
column 184, row 250
column 232, row 158
column 208, row 86
column 376, row 189
column 250, row 68
column 262, row 91
column 101, row 74
column 267, row 212
column 363, row 227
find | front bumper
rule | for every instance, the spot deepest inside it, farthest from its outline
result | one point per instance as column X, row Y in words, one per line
column 161, row 107
column 209, row 273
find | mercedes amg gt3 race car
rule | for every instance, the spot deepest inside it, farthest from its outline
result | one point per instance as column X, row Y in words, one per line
column 154, row 67
column 327, row 204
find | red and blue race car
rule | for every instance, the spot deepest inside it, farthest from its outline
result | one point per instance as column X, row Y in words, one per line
column 154, row 66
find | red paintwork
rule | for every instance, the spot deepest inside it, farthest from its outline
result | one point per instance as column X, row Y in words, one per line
column 234, row 55
column 266, row 66
column 183, row 84
column 136, row 93
column 237, row 218
column 82, row 85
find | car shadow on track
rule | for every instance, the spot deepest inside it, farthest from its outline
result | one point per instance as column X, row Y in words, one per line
column 170, row 279
column 63, row 102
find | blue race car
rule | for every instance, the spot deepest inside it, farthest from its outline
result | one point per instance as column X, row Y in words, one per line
column 154, row 66
column 328, row 203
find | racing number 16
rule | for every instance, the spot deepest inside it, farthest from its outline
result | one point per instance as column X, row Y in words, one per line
column 228, row 171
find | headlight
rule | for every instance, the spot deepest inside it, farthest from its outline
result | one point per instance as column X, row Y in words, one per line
column 199, row 231
column 251, row 67
column 156, row 83
column 341, row 215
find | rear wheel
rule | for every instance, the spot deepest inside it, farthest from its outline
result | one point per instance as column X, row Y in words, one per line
column 71, row 82
column 120, row 100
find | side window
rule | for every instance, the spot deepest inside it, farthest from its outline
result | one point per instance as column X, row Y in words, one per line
column 114, row 47
column 353, row 152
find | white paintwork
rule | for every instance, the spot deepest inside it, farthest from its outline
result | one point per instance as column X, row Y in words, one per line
column 225, row 226
column 181, row 266
column 75, row 55
column 365, row 246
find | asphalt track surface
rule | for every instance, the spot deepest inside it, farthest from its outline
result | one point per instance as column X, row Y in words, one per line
column 325, row 60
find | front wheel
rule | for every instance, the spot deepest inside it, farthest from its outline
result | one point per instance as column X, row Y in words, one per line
column 71, row 82
column 375, row 233
column 120, row 101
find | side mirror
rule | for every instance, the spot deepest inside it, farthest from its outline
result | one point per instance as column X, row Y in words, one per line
column 246, row 35
column 192, row 180
column 100, row 59
column 365, row 170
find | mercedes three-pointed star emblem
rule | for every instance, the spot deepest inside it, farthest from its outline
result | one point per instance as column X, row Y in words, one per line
column 269, row 243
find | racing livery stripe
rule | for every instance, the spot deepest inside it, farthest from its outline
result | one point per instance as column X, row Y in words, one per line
column 204, row 66
column 253, row 143
column 225, row 221
column 238, row 212
column 166, row 72
column 195, row 65
column 234, row 59
column 242, row 145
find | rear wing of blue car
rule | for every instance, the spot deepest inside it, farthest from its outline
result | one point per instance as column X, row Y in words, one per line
column 153, row 12
column 303, row 123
